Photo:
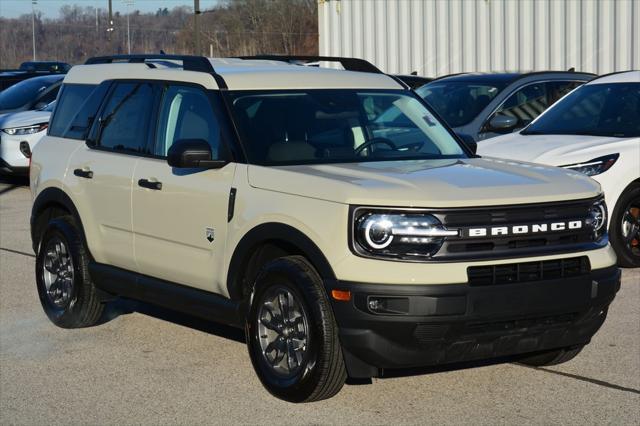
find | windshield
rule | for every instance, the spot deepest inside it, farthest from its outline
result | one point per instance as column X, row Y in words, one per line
column 595, row 109
column 460, row 102
column 24, row 92
column 338, row 126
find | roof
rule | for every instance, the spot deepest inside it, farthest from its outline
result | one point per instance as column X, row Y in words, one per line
column 506, row 78
column 618, row 77
column 238, row 74
column 47, row 78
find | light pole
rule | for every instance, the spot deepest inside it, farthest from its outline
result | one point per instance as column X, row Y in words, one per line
column 33, row 26
column 129, row 3
column 196, row 25
column 196, row 29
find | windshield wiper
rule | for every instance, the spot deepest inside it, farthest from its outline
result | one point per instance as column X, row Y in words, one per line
column 533, row 132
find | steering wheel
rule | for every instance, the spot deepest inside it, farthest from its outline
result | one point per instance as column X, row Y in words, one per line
column 374, row 141
column 414, row 146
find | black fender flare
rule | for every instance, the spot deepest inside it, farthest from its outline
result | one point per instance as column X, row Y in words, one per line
column 51, row 197
column 273, row 231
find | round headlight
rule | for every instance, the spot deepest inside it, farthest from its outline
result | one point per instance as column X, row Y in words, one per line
column 598, row 216
column 377, row 231
column 398, row 235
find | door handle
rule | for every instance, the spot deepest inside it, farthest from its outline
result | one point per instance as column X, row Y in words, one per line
column 87, row 174
column 145, row 183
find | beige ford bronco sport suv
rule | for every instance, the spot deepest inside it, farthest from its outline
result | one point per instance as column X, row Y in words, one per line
column 327, row 211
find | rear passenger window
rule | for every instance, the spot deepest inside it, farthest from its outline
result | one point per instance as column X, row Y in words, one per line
column 81, row 123
column 70, row 102
column 124, row 123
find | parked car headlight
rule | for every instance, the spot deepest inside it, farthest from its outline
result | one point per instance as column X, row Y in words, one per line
column 597, row 218
column 27, row 130
column 595, row 166
column 396, row 234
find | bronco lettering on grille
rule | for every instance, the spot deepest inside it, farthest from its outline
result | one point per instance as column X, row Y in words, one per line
column 536, row 228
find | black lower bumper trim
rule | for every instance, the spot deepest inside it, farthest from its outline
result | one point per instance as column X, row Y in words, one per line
column 8, row 169
column 458, row 323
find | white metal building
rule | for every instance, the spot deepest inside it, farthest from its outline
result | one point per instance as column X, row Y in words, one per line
column 438, row 37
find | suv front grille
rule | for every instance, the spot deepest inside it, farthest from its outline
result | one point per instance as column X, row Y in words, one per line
column 528, row 271
column 524, row 244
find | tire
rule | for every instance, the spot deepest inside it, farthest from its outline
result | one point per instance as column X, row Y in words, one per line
column 317, row 372
column 66, row 291
column 628, row 207
column 554, row 357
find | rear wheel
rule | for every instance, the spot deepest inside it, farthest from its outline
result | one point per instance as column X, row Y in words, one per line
column 292, row 336
column 554, row 357
column 66, row 291
column 624, row 231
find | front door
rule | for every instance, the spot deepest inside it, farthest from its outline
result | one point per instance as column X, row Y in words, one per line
column 180, row 215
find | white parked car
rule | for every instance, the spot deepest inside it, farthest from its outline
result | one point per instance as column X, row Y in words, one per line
column 594, row 130
column 19, row 133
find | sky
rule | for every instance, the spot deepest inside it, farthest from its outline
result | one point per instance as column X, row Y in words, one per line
column 49, row 8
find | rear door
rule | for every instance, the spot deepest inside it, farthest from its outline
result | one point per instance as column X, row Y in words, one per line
column 100, row 172
column 180, row 215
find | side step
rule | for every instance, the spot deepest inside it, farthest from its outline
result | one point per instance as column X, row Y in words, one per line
column 188, row 300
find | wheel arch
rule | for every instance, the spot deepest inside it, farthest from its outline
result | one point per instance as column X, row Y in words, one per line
column 265, row 242
column 54, row 201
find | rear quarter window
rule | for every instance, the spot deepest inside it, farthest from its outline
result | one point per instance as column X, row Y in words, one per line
column 71, row 101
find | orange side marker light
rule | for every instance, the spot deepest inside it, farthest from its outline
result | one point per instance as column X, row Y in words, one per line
column 341, row 295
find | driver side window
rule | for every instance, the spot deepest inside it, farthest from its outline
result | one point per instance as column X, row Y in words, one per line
column 524, row 106
column 186, row 113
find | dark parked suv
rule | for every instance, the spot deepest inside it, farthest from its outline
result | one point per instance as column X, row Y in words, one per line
column 481, row 106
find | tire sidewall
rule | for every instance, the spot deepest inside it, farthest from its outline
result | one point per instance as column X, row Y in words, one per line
column 300, row 386
column 62, row 317
column 632, row 192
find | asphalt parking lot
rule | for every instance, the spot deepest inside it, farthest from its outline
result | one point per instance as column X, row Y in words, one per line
column 149, row 366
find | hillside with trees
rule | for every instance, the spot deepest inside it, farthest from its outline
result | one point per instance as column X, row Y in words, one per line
column 234, row 27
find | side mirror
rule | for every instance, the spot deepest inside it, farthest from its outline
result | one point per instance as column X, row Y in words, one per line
column 469, row 142
column 192, row 153
column 503, row 123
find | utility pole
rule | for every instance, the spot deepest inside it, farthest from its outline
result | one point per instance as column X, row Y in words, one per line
column 33, row 25
column 110, row 23
column 196, row 29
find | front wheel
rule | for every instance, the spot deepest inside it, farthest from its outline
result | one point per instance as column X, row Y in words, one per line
column 292, row 335
column 624, row 231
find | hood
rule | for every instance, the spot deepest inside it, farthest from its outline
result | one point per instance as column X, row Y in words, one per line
column 557, row 150
column 427, row 183
column 23, row 118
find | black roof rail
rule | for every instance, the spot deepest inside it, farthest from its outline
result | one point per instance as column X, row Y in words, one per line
column 349, row 64
column 520, row 74
column 189, row 63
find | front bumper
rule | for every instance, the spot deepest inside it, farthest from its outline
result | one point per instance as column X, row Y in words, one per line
column 460, row 322
column 13, row 160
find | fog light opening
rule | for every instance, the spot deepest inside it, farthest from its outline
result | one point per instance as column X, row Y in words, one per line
column 388, row 305
column 25, row 149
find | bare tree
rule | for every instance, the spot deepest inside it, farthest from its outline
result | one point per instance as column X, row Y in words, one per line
column 232, row 28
